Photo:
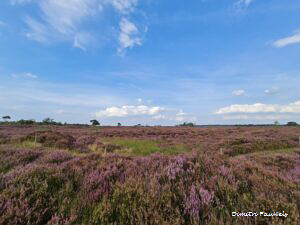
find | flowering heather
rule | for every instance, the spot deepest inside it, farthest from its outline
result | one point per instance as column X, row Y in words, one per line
column 101, row 181
column 56, row 157
column 195, row 202
column 51, row 139
column 178, row 166
column 294, row 174
column 58, row 185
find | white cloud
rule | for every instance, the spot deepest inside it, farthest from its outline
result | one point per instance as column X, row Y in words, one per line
column 185, row 119
column 257, row 117
column 124, row 6
column 81, row 40
column 238, row 93
column 261, row 108
column 24, row 75
column 64, row 16
column 140, row 100
column 180, row 113
column 291, row 108
column 272, row 91
column 243, row 3
column 126, row 110
column 63, row 21
column 255, row 108
column 182, row 116
column 128, row 37
column 37, row 30
column 283, row 42
column 60, row 20
column 159, row 117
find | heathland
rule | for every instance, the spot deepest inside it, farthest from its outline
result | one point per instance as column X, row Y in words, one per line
column 148, row 175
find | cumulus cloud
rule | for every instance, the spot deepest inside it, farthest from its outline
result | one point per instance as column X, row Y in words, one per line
column 291, row 108
column 238, row 93
column 257, row 117
column 261, row 108
column 129, row 35
column 126, row 110
column 283, row 42
column 255, row 108
column 24, row 75
column 272, row 91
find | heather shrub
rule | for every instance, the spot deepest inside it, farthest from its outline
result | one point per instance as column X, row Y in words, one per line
column 32, row 197
column 197, row 204
column 83, row 142
column 244, row 146
column 4, row 139
column 56, row 157
column 16, row 157
column 52, row 139
column 133, row 203
column 55, row 186
column 37, row 193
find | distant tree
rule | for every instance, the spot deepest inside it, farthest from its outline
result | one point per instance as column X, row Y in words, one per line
column 95, row 122
column 119, row 124
column 26, row 122
column 48, row 121
column 276, row 123
column 292, row 123
column 186, row 124
column 5, row 118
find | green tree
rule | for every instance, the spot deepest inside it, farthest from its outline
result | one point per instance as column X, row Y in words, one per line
column 6, row 118
column 292, row 123
column 119, row 124
column 186, row 124
column 95, row 122
column 48, row 121
column 26, row 122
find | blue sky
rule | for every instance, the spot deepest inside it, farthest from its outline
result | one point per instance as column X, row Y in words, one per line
column 150, row 62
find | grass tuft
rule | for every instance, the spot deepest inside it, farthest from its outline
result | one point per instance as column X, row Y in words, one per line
column 145, row 147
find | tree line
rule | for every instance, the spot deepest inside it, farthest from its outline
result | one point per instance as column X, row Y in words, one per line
column 48, row 121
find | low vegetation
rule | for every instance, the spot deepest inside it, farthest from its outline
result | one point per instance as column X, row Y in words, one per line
column 71, row 175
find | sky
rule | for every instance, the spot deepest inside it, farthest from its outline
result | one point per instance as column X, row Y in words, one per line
column 150, row 62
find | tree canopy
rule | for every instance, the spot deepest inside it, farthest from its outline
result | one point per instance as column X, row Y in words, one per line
column 95, row 122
